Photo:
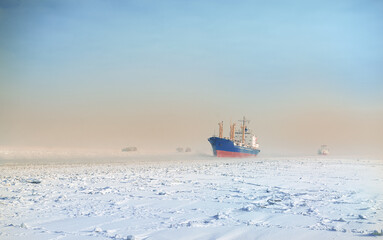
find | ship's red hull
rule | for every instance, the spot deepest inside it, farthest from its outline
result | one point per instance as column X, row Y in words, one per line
column 221, row 153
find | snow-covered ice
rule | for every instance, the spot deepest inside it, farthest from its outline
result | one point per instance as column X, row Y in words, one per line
column 192, row 197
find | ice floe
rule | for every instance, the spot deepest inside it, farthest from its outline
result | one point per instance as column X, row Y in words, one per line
column 193, row 197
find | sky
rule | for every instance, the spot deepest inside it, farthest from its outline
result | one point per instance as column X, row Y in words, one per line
column 162, row 74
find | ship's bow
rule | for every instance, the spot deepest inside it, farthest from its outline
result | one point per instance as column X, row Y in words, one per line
column 213, row 142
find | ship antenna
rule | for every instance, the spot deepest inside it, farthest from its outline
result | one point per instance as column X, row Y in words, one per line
column 243, row 130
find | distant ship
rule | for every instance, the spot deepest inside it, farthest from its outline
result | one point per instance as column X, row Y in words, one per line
column 323, row 150
column 241, row 143
column 129, row 149
column 181, row 149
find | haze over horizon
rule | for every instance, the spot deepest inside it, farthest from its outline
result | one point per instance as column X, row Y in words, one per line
column 162, row 74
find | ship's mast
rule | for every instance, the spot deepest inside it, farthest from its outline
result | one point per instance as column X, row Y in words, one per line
column 232, row 131
column 220, row 129
column 243, row 129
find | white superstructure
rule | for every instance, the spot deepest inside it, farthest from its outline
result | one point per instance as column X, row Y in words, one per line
column 244, row 136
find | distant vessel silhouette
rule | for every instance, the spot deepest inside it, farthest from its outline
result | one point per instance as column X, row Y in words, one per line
column 129, row 149
column 323, row 150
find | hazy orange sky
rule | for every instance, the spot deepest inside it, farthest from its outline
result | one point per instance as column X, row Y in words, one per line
column 162, row 74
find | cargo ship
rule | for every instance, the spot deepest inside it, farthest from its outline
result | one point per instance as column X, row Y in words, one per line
column 241, row 143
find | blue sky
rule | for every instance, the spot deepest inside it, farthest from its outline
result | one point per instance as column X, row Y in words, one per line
column 185, row 60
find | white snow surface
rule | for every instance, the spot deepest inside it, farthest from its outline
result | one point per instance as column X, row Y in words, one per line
column 192, row 197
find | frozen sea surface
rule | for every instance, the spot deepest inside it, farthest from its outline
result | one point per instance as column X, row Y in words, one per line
column 192, row 197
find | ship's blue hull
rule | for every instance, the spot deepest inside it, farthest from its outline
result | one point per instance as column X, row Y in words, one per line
column 225, row 148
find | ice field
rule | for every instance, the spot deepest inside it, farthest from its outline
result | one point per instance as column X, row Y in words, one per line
column 191, row 197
